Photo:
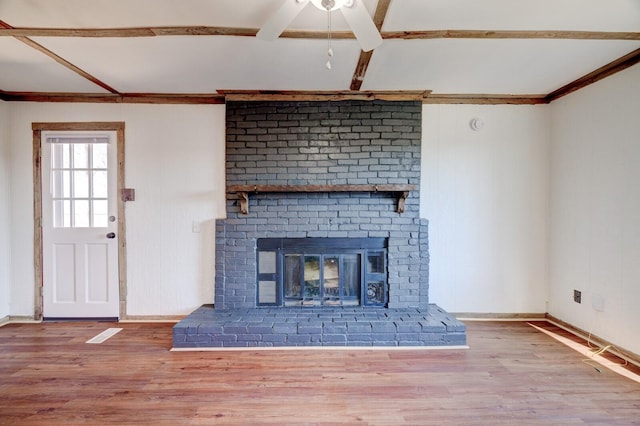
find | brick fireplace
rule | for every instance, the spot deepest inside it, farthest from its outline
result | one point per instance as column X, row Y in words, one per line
column 294, row 145
column 311, row 187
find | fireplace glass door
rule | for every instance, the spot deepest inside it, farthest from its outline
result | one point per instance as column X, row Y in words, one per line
column 322, row 279
column 322, row 272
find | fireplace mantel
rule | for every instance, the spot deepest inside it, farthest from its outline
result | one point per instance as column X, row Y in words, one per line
column 401, row 191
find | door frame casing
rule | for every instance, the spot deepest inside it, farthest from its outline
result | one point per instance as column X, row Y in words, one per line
column 37, row 129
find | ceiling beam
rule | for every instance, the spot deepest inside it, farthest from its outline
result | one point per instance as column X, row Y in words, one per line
column 124, row 98
column 40, row 48
column 66, row 64
column 485, row 99
column 301, row 95
column 361, row 70
column 383, row 5
column 486, row 34
column 602, row 72
column 215, row 98
column 129, row 32
column 23, row 34
column 365, row 57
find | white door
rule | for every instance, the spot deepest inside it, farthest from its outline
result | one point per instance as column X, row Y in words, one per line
column 79, row 229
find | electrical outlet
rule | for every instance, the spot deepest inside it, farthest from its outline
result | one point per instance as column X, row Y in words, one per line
column 577, row 296
column 597, row 302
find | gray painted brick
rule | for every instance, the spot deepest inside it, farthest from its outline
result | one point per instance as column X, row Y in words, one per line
column 383, row 327
column 309, row 329
column 383, row 337
column 274, row 338
column 226, row 337
column 381, row 143
column 331, row 328
column 249, row 337
column 334, row 338
column 298, row 338
column 358, row 327
column 198, row 338
column 210, row 329
column 260, row 328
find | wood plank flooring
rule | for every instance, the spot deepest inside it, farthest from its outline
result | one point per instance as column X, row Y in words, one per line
column 512, row 374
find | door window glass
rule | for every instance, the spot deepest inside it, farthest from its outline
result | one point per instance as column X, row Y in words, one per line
column 79, row 182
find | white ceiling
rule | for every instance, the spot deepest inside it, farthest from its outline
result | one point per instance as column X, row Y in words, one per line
column 204, row 64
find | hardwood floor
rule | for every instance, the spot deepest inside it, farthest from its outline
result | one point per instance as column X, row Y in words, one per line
column 512, row 374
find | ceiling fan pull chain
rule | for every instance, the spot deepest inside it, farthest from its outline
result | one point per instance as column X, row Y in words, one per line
column 329, row 50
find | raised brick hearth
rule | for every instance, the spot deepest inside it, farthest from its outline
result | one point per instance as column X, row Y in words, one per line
column 293, row 144
column 270, row 327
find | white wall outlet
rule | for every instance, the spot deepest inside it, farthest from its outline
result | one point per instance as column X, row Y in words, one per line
column 195, row 227
column 597, row 302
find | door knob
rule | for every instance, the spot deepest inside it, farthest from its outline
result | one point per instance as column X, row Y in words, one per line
column 111, row 235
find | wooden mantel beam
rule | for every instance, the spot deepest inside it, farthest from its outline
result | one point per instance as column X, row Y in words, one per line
column 243, row 191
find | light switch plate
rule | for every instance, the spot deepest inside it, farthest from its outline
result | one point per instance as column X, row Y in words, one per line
column 128, row 194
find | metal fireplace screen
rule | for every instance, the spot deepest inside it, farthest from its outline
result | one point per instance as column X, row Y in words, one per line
column 322, row 272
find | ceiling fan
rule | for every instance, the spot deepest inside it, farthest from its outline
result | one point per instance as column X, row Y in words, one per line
column 354, row 12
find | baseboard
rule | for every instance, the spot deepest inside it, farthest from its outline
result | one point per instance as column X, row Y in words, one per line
column 79, row 319
column 129, row 318
column 152, row 318
column 319, row 348
column 482, row 316
column 623, row 353
column 18, row 319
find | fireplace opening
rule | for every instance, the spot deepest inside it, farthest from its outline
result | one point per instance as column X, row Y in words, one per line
column 321, row 272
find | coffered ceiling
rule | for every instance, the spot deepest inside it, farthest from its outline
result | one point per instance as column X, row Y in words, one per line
column 201, row 50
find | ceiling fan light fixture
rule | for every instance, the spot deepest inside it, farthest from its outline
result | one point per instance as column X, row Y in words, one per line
column 354, row 12
column 331, row 5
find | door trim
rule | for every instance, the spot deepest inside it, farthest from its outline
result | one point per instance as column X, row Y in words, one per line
column 37, row 129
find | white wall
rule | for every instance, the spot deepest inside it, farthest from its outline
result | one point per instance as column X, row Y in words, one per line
column 175, row 162
column 491, row 197
column 485, row 194
column 595, row 208
column 5, row 242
